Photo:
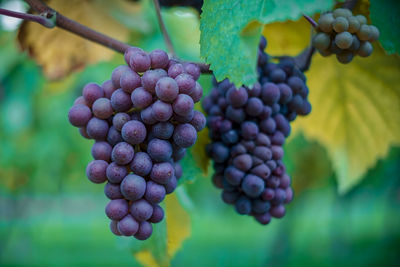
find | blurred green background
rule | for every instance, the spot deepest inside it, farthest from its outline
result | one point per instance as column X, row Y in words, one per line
column 51, row 215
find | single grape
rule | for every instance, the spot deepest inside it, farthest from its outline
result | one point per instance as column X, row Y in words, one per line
column 254, row 106
column 171, row 185
column 128, row 53
column 264, row 219
column 145, row 231
column 121, row 101
column 183, row 105
column 219, row 152
column 101, row 150
column 167, row 89
column 243, row 205
column 130, row 80
column 374, row 33
column 365, row 33
column 342, row 12
column 97, row 128
column 102, row 108
column 159, row 59
column 116, row 173
column 362, row 19
column 158, row 214
column 185, row 135
column 141, row 164
column 243, row 162
column 235, row 114
column 178, row 170
column 122, row 153
column 161, row 111
column 150, row 79
column 133, row 187
column 117, row 209
column 96, row 171
column 162, row 172
column 134, row 132
column 197, row 93
column 83, row 132
column 116, row 75
column 91, row 92
column 230, row 137
column 354, row 24
column 193, row 70
column 253, row 185
column 270, row 93
column 259, row 206
column 185, row 83
column 345, row 57
column 229, row 197
column 159, row 150
column 237, row 97
column 261, row 171
column 155, row 193
column 128, row 226
column 114, row 136
column 114, row 228
column 325, row 22
column 321, row 41
column 278, row 75
column 162, row 130
column 80, row 100
column 140, row 61
column 277, row 211
column 355, row 45
column 340, row 24
column 120, row 119
column 175, row 69
column 112, row 191
column 141, row 210
column 262, row 152
column 79, row 115
column 249, row 130
column 365, row 49
column 147, row 116
column 233, row 176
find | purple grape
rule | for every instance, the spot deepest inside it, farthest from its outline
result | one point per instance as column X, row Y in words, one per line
column 179, row 153
column 113, row 136
column 233, row 175
column 197, row 93
column 243, row 162
column 198, row 121
column 268, row 126
column 249, row 130
column 260, row 207
column 79, row 115
column 162, row 130
column 230, row 137
column 252, row 185
column 128, row 226
column 171, row 185
column 229, row 197
column 243, row 205
column 158, row 214
column 141, row 164
column 263, row 153
column 130, row 80
column 121, row 101
column 219, row 152
column 268, row 194
column 145, row 231
column 116, row 173
column 134, row 132
column 162, row 172
column 270, row 93
column 184, row 119
column 141, row 210
column 159, row 59
column 159, row 150
column 289, row 195
column 278, row 138
column 120, row 119
column 263, row 140
column 254, row 106
column 193, row 70
column 133, row 187
column 277, row 211
column 175, row 69
column 282, row 124
column 91, row 92
column 122, row 153
column 141, row 98
column 161, row 111
column 263, row 218
column 266, row 112
column 167, row 89
column 238, row 150
column 140, row 61
column 112, row 191
column 114, row 228
column 96, row 171
column 183, row 104
column 278, row 76
column 277, row 152
column 285, row 92
column 185, row 83
column 178, row 170
column 295, row 83
column 97, row 128
column 237, row 97
column 80, row 100
column 155, row 193
column 116, row 75
column 147, row 116
column 117, row 209
column 150, row 79
column 108, row 88
column 83, row 132
column 102, row 108
column 101, row 150
column 285, row 181
column 235, row 114
column 185, row 135
column 128, row 53
column 262, row 171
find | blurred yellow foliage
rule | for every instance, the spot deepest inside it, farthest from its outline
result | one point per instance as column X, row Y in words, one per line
column 60, row 52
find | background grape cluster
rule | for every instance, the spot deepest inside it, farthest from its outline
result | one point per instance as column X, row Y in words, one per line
column 142, row 121
column 248, row 128
column 341, row 33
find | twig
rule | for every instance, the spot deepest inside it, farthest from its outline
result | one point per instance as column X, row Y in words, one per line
column 46, row 20
column 309, row 19
column 163, row 29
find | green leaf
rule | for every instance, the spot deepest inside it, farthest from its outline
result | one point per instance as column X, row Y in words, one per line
column 385, row 16
column 230, row 33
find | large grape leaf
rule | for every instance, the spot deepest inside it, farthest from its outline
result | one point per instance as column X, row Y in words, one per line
column 231, row 30
column 60, row 52
column 385, row 15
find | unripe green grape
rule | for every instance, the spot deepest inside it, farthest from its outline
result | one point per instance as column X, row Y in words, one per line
column 344, row 40
column 362, row 19
column 355, row 45
column 364, row 34
column 345, row 57
column 340, row 24
column 374, row 33
column 321, row 41
column 325, row 22
column 365, row 49
column 354, row 24
column 342, row 12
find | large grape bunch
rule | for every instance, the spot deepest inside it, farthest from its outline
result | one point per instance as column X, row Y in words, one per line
column 142, row 121
column 345, row 35
column 248, row 128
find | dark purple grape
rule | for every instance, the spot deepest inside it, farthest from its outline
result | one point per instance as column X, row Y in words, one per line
column 140, row 61
column 193, row 70
column 277, row 211
column 79, row 115
column 141, row 164
column 116, row 75
column 83, row 132
column 175, row 69
column 262, row 140
column 117, row 209
column 243, row 162
column 278, row 75
column 285, row 181
column 282, row 124
column 217, row 180
column 114, row 228
column 141, row 210
column 254, row 106
column 278, row 138
column 145, row 231
column 120, row 119
column 229, row 197
column 101, row 150
column 197, row 93
column 133, row 187
column 262, row 171
column 96, row 171
column 112, row 191
column 266, row 112
column 121, row 101
column 253, row 185
column 198, row 121
column 108, row 88
column 178, row 170
column 116, row 173
column 260, row 206
column 238, row 150
column 150, row 79
column 128, row 226
column 243, row 205
column 158, row 214
column 235, row 114
column 159, row 150
column 141, row 98
column 183, row 119
column 102, row 108
column 159, row 59
column 97, row 128
column 270, row 93
column 167, row 89
column 128, row 53
column 185, row 135
column 277, row 152
column 171, row 185
column 268, row 194
column 230, row 137
column 249, row 130
column 113, row 136
column 185, row 83
column 162, row 172
column 147, row 116
column 295, row 83
column 289, row 195
column 263, row 218
column 183, row 105
column 161, row 111
column 233, row 175
column 134, row 132
column 237, row 97
column 155, row 193
column 122, row 153
column 285, row 92
column 162, row 130
column 179, row 153
column 91, row 92
column 130, row 80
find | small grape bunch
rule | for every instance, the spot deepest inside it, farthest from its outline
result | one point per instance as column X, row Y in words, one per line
column 345, row 35
column 142, row 121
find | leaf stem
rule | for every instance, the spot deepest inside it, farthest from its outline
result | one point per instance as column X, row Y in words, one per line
column 43, row 19
column 163, row 29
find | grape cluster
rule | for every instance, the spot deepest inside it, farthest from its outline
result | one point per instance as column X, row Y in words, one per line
column 142, row 121
column 248, row 128
column 345, row 35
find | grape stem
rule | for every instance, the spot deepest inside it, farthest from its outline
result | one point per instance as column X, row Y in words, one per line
column 45, row 19
column 163, row 29
column 309, row 19
column 76, row 28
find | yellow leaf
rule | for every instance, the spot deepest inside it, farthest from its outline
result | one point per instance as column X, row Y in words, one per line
column 146, row 258
column 356, row 112
column 60, row 52
column 199, row 152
